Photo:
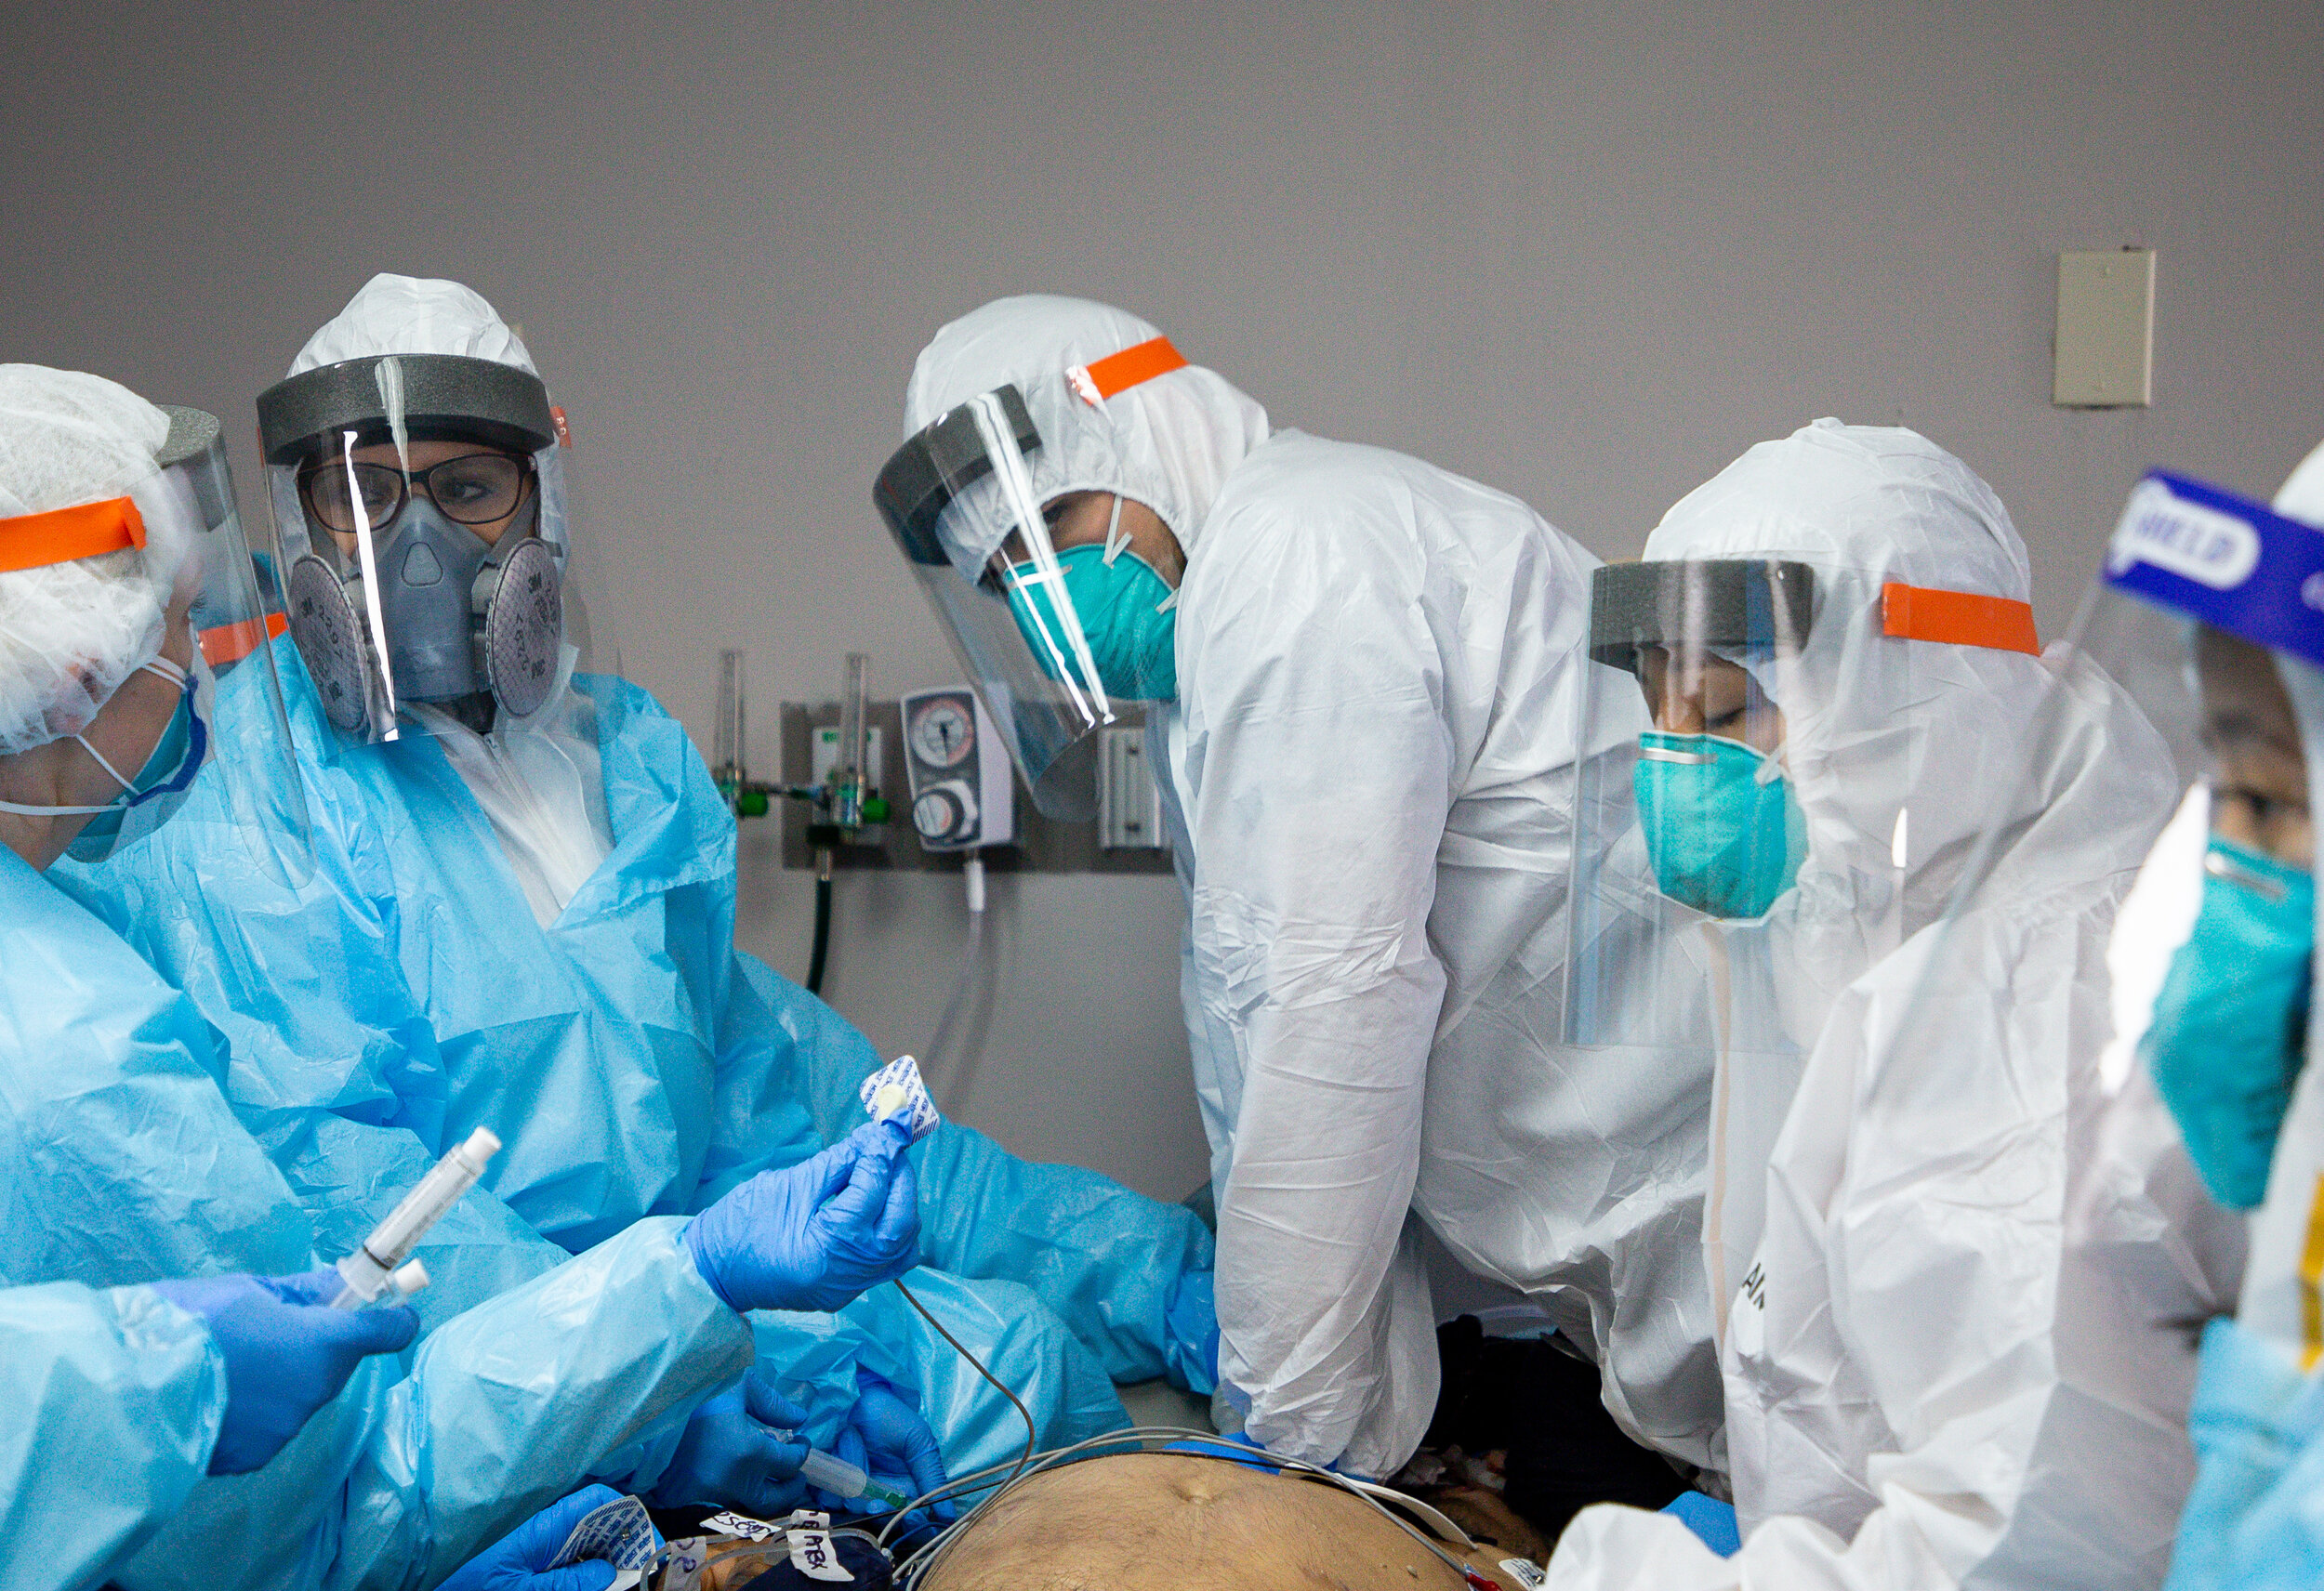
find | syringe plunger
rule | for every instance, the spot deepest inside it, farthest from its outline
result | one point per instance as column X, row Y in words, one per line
column 372, row 1269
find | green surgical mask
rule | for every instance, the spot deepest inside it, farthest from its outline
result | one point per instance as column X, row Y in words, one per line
column 1723, row 828
column 1129, row 615
column 2229, row 1032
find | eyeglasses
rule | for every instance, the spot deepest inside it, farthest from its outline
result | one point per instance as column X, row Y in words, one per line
column 475, row 489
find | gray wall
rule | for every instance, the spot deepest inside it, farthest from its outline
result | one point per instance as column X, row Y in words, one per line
column 1586, row 253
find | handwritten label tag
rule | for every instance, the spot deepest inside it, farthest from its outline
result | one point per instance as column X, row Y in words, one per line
column 814, row 1556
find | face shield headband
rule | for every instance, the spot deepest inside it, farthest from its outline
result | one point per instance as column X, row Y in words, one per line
column 395, row 596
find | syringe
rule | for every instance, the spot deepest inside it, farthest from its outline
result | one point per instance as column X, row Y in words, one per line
column 373, row 1270
column 841, row 1478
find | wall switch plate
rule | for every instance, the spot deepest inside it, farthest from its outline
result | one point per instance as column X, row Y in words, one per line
column 2105, row 331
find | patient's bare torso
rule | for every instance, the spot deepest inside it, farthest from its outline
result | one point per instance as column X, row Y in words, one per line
column 1179, row 1523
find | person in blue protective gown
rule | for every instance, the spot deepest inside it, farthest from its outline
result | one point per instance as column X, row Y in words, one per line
column 121, row 1161
column 525, row 919
column 147, row 1389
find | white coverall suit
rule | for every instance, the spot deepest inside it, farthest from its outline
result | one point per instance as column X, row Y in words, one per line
column 1371, row 765
column 1929, row 1384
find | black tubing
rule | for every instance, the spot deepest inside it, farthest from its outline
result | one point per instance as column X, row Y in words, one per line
column 823, row 936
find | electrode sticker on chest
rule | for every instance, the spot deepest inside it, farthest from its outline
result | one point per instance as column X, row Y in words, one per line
column 895, row 1090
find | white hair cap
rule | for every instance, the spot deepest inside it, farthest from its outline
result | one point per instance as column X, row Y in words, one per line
column 413, row 314
column 2302, row 496
column 71, row 633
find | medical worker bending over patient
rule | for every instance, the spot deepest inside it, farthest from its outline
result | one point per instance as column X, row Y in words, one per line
column 1361, row 674
column 522, row 917
column 1927, row 1385
column 125, row 1163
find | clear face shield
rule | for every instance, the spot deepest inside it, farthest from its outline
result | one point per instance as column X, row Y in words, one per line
column 2186, row 732
column 419, row 506
column 209, row 744
column 1692, row 827
column 1798, row 800
column 959, row 498
column 239, row 608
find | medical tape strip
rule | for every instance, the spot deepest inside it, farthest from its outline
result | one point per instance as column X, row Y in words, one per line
column 814, row 1556
column 222, row 644
column 1117, row 373
column 902, row 1072
column 741, row 1526
column 2222, row 559
column 1525, row 1572
column 66, row 535
column 1964, row 618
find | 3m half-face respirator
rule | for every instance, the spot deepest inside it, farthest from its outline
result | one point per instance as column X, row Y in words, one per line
column 419, row 568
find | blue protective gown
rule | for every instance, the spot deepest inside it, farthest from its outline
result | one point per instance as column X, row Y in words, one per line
column 113, row 1400
column 633, row 1062
column 122, row 1163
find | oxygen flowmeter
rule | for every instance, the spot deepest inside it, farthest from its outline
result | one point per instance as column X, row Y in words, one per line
column 963, row 796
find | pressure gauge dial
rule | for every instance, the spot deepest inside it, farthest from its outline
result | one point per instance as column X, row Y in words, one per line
column 943, row 732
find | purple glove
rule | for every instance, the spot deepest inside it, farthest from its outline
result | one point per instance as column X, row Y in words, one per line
column 814, row 1235
column 286, row 1354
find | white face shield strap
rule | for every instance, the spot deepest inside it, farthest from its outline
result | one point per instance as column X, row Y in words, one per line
column 1015, row 482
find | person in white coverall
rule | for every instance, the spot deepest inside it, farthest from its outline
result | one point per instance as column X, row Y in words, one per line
column 1361, row 676
column 2212, row 1109
column 1927, row 1385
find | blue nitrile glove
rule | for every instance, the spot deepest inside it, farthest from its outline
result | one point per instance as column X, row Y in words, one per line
column 1190, row 1334
column 2258, row 1424
column 818, row 1234
column 519, row 1561
column 1231, row 1445
column 886, row 1438
column 287, row 1353
column 1712, row 1521
column 729, row 1456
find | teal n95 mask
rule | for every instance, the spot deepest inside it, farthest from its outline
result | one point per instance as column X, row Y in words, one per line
column 1721, row 826
column 2229, row 1032
column 1128, row 614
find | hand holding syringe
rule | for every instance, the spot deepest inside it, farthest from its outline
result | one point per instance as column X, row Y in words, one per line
column 841, row 1478
column 377, row 1272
